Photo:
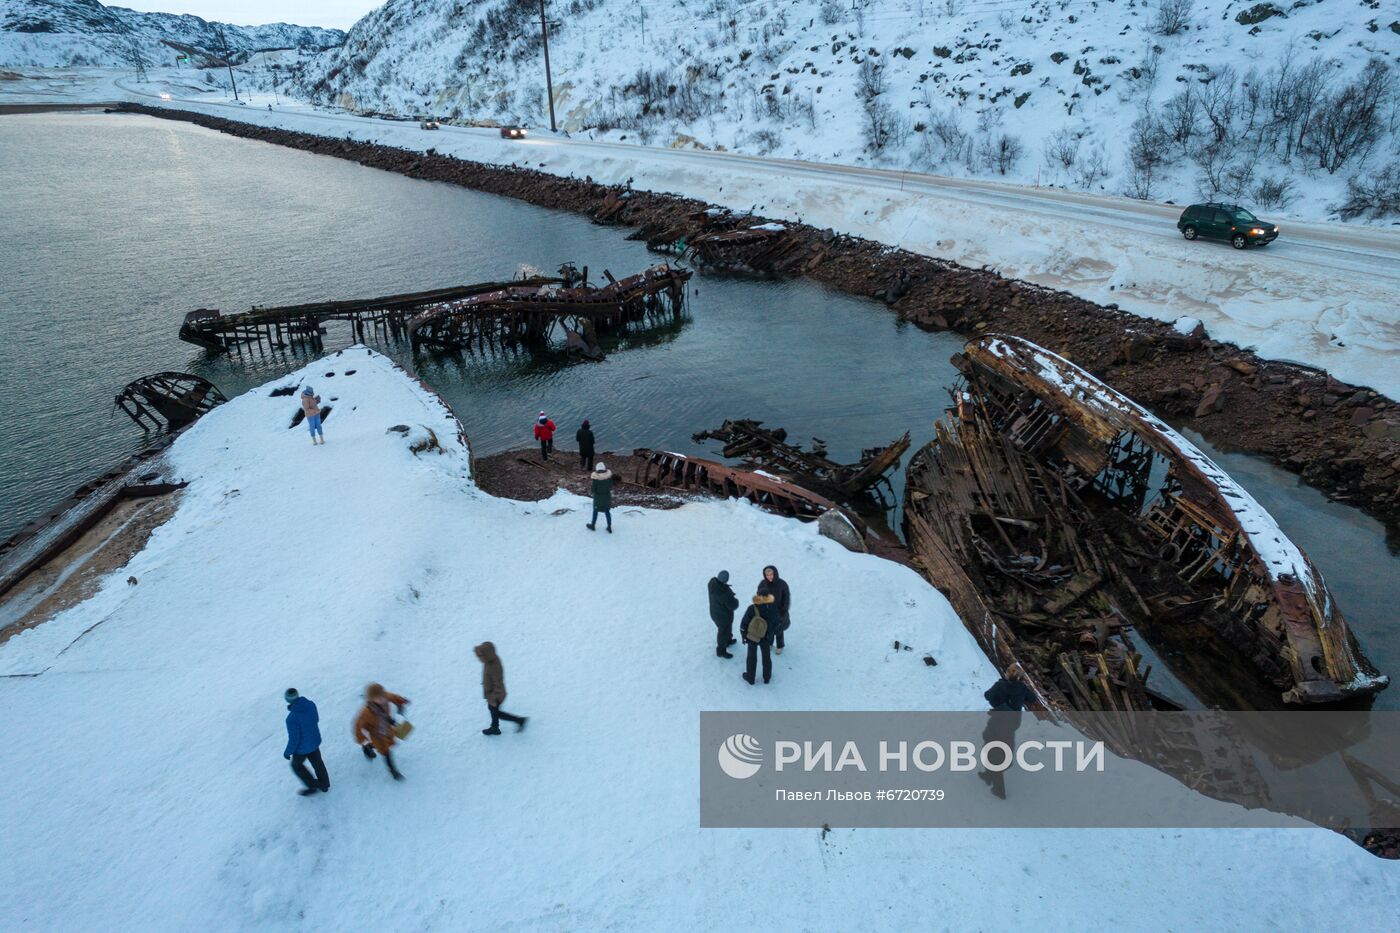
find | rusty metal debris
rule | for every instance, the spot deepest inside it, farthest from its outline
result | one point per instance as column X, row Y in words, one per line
column 1064, row 522
column 748, row 439
column 663, row 470
column 168, row 400
column 278, row 326
column 525, row 314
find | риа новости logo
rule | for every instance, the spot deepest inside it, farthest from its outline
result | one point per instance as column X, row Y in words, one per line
column 740, row 756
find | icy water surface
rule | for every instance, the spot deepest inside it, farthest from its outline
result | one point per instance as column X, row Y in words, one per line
column 112, row 227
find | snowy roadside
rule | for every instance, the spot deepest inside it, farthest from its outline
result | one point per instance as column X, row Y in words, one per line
column 1325, row 295
column 146, row 784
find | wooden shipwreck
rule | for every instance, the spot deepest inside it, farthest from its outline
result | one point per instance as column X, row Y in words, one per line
column 661, row 469
column 746, row 439
column 169, row 400
column 1065, row 521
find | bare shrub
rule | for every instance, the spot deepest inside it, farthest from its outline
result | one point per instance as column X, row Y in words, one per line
column 1147, row 152
column 1219, row 97
column 1272, row 193
column 833, row 12
column 1173, row 16
column 1354, row 118
column 1092, row 168
column 1062, row 149
column 1374, row 196
column 1001, row 152
column 947, row 129
column 1180, row 117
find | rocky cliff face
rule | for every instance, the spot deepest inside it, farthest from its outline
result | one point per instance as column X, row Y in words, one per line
column 62, row 33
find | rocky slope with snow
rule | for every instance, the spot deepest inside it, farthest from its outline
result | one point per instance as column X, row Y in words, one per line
column 1280, row 105
column 66, row 33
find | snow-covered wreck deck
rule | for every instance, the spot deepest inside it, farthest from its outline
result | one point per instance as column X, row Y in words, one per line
column 145, row 783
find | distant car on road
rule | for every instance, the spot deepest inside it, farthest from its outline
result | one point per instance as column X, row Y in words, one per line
column 512, row 132
column 1226, row 222
column 430, row 124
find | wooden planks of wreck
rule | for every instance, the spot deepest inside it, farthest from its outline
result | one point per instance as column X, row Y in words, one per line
column 387, row 314
column 523, row 314
column 769, row 447
column 1063, row 520
column 663, row 469
column 168, row 400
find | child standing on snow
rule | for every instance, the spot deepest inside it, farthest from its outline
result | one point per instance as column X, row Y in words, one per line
column 311, row 407
column 544, row 433
column 375, row 728
column 602, row 495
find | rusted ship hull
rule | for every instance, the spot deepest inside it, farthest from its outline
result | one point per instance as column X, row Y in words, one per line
column 1061, row 518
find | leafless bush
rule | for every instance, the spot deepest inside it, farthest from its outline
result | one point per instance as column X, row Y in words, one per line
column 766, row 140
column 947, row 129
column 833, row 12
column 1219, row 98
column 1092, row 168
column 1173, row 16
column 1147, row 152
column 1212, row 159
column 1351, row 123
column 1375, row 196
column 1062, row 149
column 1180, row 117
column 1001, row 152
column 870, row 81
column 1272, row 193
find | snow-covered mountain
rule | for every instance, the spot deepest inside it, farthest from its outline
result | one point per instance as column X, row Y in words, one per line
column 1275, row 103
column 64, row 33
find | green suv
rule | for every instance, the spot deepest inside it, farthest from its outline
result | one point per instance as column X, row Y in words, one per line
column 1226, row 222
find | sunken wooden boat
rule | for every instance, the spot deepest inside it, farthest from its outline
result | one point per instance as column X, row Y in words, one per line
column 1069, row 525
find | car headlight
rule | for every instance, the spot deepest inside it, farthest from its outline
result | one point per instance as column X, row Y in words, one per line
column 1256, row 232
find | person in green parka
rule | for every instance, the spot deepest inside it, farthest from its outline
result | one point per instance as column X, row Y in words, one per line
column 602, row 495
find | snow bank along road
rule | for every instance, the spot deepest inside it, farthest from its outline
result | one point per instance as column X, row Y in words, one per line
column 1326, row 295
column 145, row 784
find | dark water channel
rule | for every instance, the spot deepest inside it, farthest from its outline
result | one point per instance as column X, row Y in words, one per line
column 111, row 227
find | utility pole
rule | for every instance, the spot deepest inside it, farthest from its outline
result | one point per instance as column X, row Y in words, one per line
column 229, row 63
column 548, row 80
column 644, row 26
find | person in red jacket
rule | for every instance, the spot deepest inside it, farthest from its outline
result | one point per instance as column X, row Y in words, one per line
column 544, row 433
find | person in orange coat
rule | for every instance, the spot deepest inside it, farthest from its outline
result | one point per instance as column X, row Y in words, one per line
column 374, row 727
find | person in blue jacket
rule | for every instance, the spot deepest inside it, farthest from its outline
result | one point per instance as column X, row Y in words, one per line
column 304, row 743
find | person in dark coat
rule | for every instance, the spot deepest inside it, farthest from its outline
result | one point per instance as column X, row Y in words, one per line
column 782, row 598
column 304, row 743
column 723, row 602
column 602, row 495
column 544, row 433
column 1007, row 697
column 762, row 606
column 584, row 436
column 493, row 687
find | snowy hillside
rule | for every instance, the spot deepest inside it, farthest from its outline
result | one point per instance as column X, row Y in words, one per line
column 64, row 33
column 1278, row 105
column 147, row 789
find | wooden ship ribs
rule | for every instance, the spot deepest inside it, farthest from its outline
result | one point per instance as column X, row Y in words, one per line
column 169, row 400
column 1061, row 519
column 526, row 313
column 749, row 440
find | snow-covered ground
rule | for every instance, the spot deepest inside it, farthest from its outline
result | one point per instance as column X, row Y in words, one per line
column 1327, row 295
column 144, row 779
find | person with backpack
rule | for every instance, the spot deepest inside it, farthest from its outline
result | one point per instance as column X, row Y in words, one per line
column 584, row 436
column 375, row 729
column 782, row 602
column 602, row 495
column 759, row 626
column 304, row 743
column 723, row 602
column 544, row 433
column 493, row 687
column 311, row 408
